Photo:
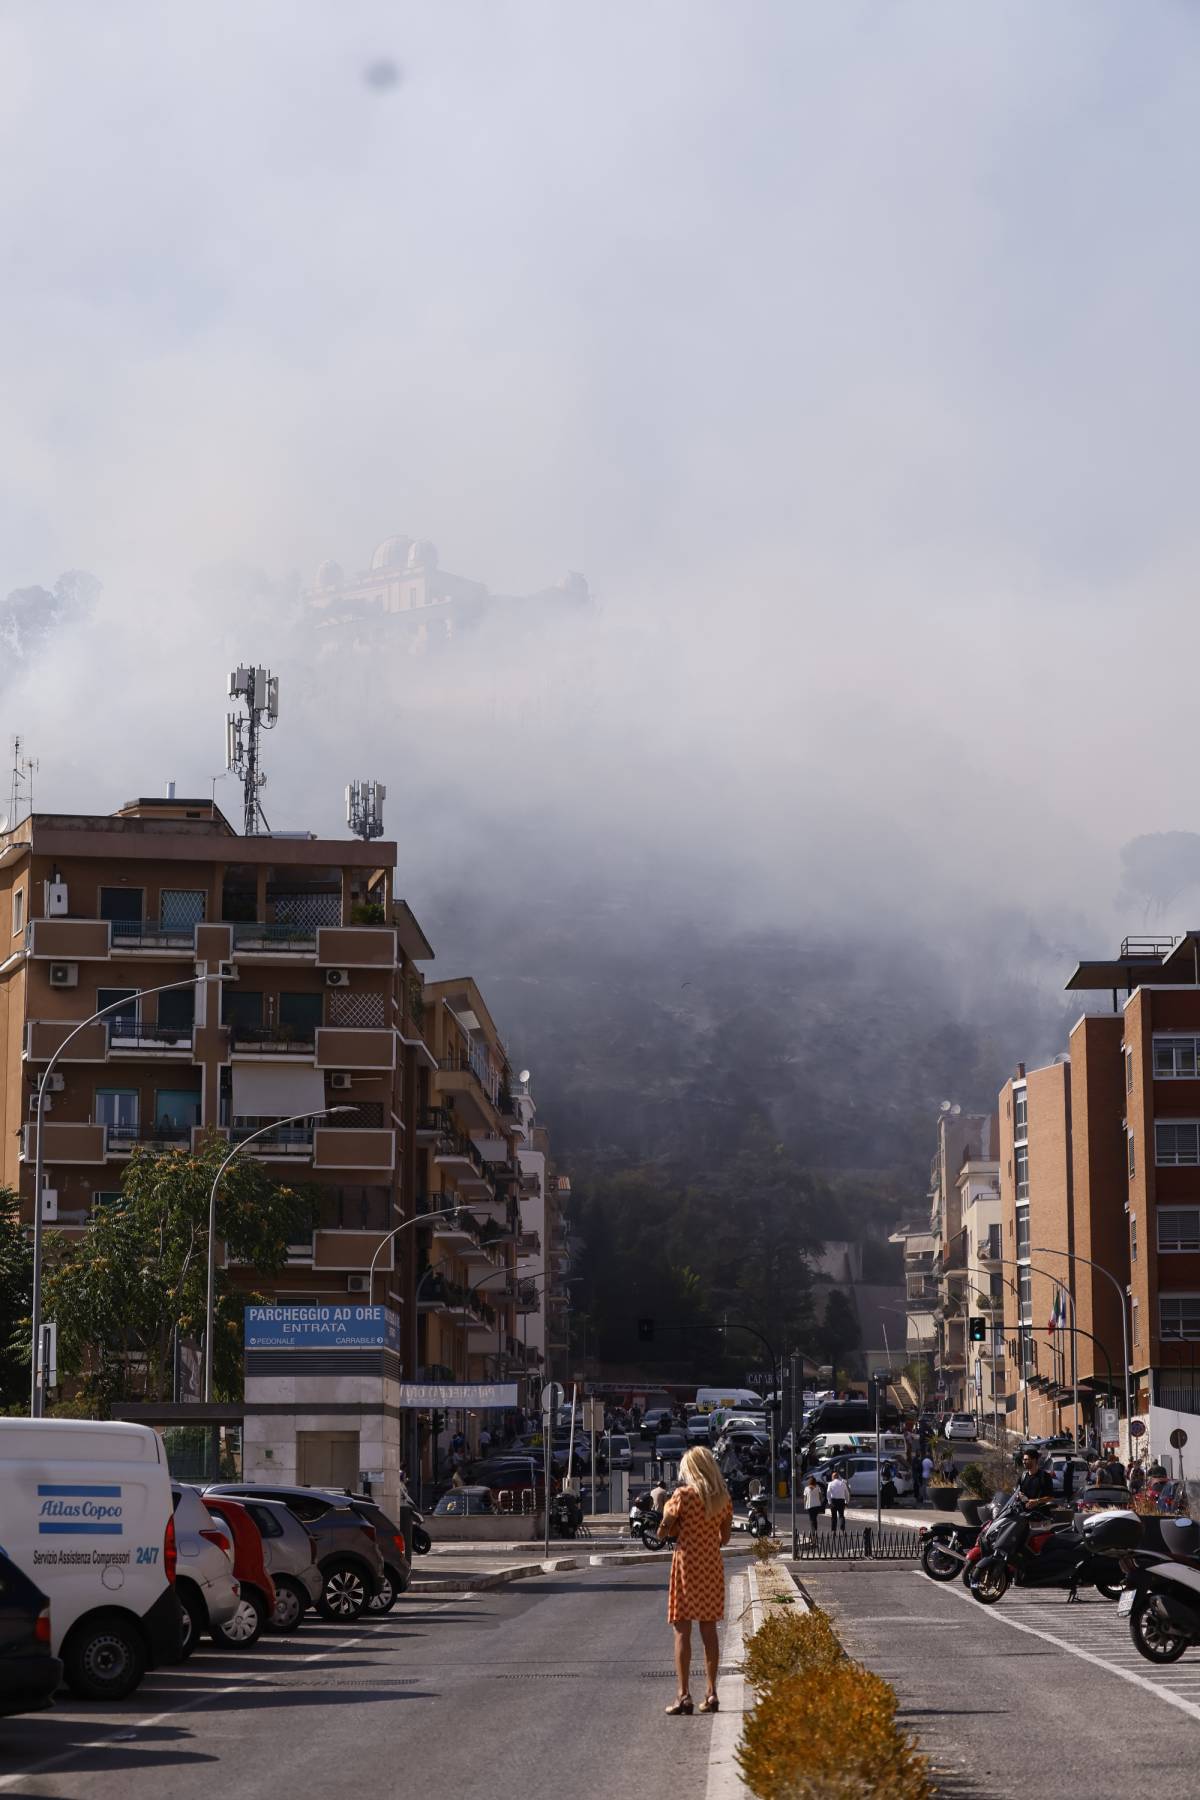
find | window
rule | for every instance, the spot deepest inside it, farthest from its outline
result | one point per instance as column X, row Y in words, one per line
column 1133, row 1238
column 1136, row 1311
column 300, row 1013
column 1022, row 1172
column 1129, row 1071
column 108, row 1197
column 1021, row 1114
column 1179, row 1315
column 181, row 908
column 241, row 1006
column 1022, row 1233
column 122, row 1021
column 124, row 903
column 1132, row 1167
column 177, row 1010
column 1025, row 1288
column 18, row 910
column 1177, row 1144
column 1178, row 1227
column 117, row 1111
column 1176, row 1058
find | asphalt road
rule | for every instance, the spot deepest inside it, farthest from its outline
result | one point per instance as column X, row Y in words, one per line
column 1028, row 1697
column 555, row 1686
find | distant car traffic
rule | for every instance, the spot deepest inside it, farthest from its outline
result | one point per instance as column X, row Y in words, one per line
column 699, row 1429
column 463, row 1502
column 860, row 1472
column 669, row 1446
column 621, row 1450
column 960, row 1425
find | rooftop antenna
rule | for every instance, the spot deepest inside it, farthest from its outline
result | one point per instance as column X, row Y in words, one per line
column 23, row 771
column 260, row 690
column 364, row 809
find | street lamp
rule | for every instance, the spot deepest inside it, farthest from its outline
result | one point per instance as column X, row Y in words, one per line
column 210, row 1295
column 445, row 1212
column 37, row 1395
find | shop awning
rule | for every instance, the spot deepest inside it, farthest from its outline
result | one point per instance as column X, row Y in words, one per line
column 263, row 1092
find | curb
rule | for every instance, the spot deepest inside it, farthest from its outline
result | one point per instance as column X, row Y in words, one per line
column 477, row 1584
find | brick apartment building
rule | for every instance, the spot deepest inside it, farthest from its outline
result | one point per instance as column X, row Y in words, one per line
column 1100, row 1163
column 328, row 1008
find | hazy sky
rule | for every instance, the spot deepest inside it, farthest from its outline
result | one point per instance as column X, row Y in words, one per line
column 848, row 349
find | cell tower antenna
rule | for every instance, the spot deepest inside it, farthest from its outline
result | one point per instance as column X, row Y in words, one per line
column 260, row 690
column 364, row 809
column 23, row 770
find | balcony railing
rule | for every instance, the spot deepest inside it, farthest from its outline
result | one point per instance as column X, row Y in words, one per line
column 283, row 1040
column 147, row 933
column 460, row 1063
column 284, row 1140
column 131, row 1034
column 250, row 935
column 124, row 1137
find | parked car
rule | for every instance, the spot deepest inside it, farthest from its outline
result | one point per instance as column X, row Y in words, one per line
column 961, row 1425
column 28, row 1672
column 349, row 1557
column 464, row 1501
column 1058, row 1468
column 512, row 1474
column 860, row 1473
column 256, row 1599
column 205, row 1578
column 620, row 1450
column 394, row 1546
column 290, row 1553
column 98, row 1472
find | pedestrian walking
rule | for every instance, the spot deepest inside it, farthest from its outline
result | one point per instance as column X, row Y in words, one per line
column 837, row 1494
column 814, row 1502
column 926, row 1472
column 699, row 1516
column 914, row 1471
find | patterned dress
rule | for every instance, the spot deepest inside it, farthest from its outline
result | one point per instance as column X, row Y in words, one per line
column 697, row 1589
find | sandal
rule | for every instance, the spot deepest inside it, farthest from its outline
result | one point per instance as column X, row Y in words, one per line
column 682, row 1705
column 710, row 1704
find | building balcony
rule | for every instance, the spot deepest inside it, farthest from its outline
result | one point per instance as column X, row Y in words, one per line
column 474, row 1091
column 266, row 941
column 44, row 1037
column 529, row 1243
column 460, row 1159
column 284, row 1142
column 146, row 937
column 354, row 1147
column 120, row 1140
column 65, row 1142
column 355, row 1047
column 130, row 1038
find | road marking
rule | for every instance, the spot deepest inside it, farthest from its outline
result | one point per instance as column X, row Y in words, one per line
column 185, row 1704
column 1101, row 1662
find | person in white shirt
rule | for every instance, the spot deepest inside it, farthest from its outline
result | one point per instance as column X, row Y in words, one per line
column 837, row 1494
column 814, row 1502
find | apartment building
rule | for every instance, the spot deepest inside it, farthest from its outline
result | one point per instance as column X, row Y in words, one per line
column 312, row 998
column 979, row 1285
column 921, row 1300
column 962, row 1138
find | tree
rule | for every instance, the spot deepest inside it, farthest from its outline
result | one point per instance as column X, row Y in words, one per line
column 137, row 1278
column 16, row 1291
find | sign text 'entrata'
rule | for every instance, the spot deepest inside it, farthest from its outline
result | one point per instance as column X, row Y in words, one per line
column 321, row 1328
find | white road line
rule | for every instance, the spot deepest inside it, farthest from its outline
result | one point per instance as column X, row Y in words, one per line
column 1101, row 1662
column 724, row 1777
column 183, row 1705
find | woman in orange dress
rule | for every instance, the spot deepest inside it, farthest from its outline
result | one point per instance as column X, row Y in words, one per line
column 699, row 1516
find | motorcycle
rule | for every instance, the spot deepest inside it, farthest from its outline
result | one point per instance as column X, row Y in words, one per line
column 1034, row 1551
column 566, row 1515
column 758, row 1516
column 1162, row 1596
column 644, row 1522
column 944, row 1549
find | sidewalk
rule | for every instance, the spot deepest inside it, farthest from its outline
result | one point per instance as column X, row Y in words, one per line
column 478, row 1568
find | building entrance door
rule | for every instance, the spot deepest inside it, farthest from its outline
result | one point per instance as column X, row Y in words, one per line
column 327, row 1459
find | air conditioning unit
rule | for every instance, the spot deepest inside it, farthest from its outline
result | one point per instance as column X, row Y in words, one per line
column 54, row 1084
column 56, row 899
column 64, row 975
column 341, row 1082
column 337, row 978
column 358, row 1284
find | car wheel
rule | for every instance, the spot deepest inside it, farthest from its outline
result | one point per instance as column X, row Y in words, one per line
column 194, row 1619
column 1153, row 1634
column 291, row 1604
column 345, row 1594
column 247, row 1624
column 104, row 1659
column 386, row 1597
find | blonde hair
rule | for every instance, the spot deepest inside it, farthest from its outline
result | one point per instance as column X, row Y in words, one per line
column 699, row 1470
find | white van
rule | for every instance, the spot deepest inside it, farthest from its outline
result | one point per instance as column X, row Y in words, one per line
column 708, row 1399
column 85, row 1512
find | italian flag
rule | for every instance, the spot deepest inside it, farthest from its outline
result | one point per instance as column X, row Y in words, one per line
column 1058, row 1313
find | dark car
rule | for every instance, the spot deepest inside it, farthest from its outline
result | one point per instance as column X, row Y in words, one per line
column 511, row 1474
column 28, row 1672
column 670, row 1446
column 348, row 1552
column 395, row 1546
column 463, row 1501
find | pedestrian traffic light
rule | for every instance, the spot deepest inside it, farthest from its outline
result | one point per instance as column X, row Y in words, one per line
column 979, row 1331
column 645, row 1331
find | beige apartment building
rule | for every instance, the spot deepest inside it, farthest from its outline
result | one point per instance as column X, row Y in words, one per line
column 322, row 1005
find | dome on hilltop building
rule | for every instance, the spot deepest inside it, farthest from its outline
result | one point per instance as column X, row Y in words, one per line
column 423, row 555
column 393, row 553
column 330, row 575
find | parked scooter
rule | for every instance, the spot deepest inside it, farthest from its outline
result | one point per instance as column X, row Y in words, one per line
column 1024, row 1546
column 944, row 1549
column 1162, row 1598
column 758, row 1516
column 566, row 1515
column 422, row 1543
column 644, row 1522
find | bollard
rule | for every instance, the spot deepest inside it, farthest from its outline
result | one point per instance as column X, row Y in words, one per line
column 867, row 1547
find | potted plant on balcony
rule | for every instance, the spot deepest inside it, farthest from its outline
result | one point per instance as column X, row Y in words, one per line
column 943, row 1489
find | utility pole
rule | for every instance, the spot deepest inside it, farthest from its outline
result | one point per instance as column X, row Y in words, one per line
column 792, row 1471
column 260, row 690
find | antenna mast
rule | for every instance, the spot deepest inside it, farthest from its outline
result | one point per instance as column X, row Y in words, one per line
column 23, row 770
column 364, row 809
column 260, row 690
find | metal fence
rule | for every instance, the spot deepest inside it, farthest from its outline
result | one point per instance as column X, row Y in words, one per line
column 867, row 1545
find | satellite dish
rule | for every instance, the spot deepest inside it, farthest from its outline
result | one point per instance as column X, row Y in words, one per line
column 954, row 1111
column 523, row 1077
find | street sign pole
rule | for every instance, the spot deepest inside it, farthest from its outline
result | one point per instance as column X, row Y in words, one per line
column 552, row 1398
column 878, row 1385
column 792, row 1470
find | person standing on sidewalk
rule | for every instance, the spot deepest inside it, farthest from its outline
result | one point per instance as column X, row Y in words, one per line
column 837, row 1494
column 914, row 1469
column 814, row 1502
column 699, row 1516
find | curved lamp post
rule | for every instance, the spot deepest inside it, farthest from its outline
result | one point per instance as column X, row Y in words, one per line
column 210, row 1293
column 37, row 1392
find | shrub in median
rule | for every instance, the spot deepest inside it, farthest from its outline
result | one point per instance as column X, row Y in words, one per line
column 829, row 1733
column 787, row 1644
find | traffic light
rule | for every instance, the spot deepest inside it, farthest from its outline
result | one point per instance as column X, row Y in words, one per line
column 978, row 1332
column 645, row 1331
column 437, row 1424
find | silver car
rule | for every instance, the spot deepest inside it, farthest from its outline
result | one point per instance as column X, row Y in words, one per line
column 205, row 1587
column 291, row 1558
